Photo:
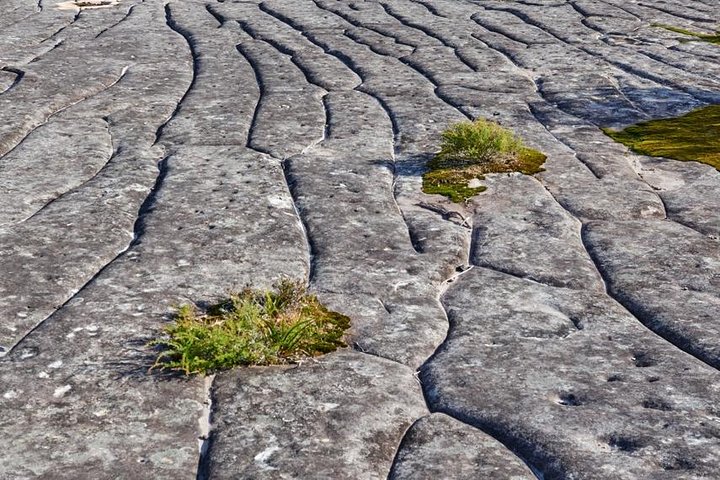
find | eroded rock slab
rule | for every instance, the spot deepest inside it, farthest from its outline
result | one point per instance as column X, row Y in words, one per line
column 437, row 446
column 152, row 154
column 572, row 382
column 668, row 275
column 341, row 416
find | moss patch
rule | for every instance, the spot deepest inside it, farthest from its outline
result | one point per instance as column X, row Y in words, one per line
column 251, row 328
column 697, row 35
column 691, row 137
column 469, row 151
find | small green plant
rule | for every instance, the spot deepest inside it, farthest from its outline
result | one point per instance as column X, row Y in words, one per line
column 697, row 36
column 691, row 137
column 251, row 328
column 469, row 150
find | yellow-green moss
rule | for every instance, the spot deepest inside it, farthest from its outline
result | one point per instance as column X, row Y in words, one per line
column 691, row 137
column 470, row 150
column 700, row 36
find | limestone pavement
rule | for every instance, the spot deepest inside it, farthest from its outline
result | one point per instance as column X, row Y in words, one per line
column 562, row 326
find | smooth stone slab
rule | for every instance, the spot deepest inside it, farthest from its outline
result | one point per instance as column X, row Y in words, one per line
column 340, row 416
column 520, row 229
column 667, row 275
column 438, row 446
column 687, row 190
column 573, row 383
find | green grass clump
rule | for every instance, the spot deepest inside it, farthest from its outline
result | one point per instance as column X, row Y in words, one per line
column 469, row 150
column 691, row 137
column 251, row 328
column 699, row 36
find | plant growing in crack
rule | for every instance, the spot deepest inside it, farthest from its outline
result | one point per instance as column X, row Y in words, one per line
column 252, row 327
column 696, row 36
column 470, row 150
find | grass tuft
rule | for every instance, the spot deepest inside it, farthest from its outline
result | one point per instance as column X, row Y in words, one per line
column 251, row 328
column 692, row 137
column 469, row 150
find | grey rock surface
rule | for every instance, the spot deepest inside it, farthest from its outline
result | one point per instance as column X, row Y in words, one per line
column 438, row 446
column 542, row 367
column 283, row 422
column 561, row 326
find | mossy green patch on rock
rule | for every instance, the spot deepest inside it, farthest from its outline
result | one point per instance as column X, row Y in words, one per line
column 251, row 328
column 691, row 137
column 711, row 38
column 469, row 151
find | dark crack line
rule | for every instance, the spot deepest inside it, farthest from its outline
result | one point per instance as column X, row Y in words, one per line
column 541, row 97
column 108, row 162
column 703, row 97
column 427, row 32
column 446, row 214
column 476, row 17
column 310, row 247
column 630, row 69
column 705, row 57
column 350, row 64
column 37, row 57
column 261, row 83
column 148, row 205
column 138, row 230
column 408, row 62
column 670, row 337
column 528, row 20
column 20, row 20
column 19, row 74
column 582, row 12
column 127, row 15
column 429, row 7
column 217, row 15
column 205, row 421
column 535, row 114
column 645, row 318
column 291, row 51
column 521, row 276
column 632, row 14
column 59, row 110
column 258, row 105
column 188, row 36
column 293, row 57
column 515, row 445
column 62, row 29
column 679, row 66
column 673, row 218
column 392, row 474
column 676, row 14
column 285, row 163
column 356, row 23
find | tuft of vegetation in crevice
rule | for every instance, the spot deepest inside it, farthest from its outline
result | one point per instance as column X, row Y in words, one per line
column 694, row 136
column 470, row 150
column 704, row 37
column 251, row 327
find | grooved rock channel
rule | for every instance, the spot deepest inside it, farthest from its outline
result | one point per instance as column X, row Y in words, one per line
column 561, row 326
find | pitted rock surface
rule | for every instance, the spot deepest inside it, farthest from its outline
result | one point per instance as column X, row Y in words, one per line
column 560, row 326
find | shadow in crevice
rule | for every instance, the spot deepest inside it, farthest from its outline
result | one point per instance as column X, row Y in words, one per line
column 613, row 107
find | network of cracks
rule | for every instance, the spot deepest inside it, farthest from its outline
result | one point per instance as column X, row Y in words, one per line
column 556, row 326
